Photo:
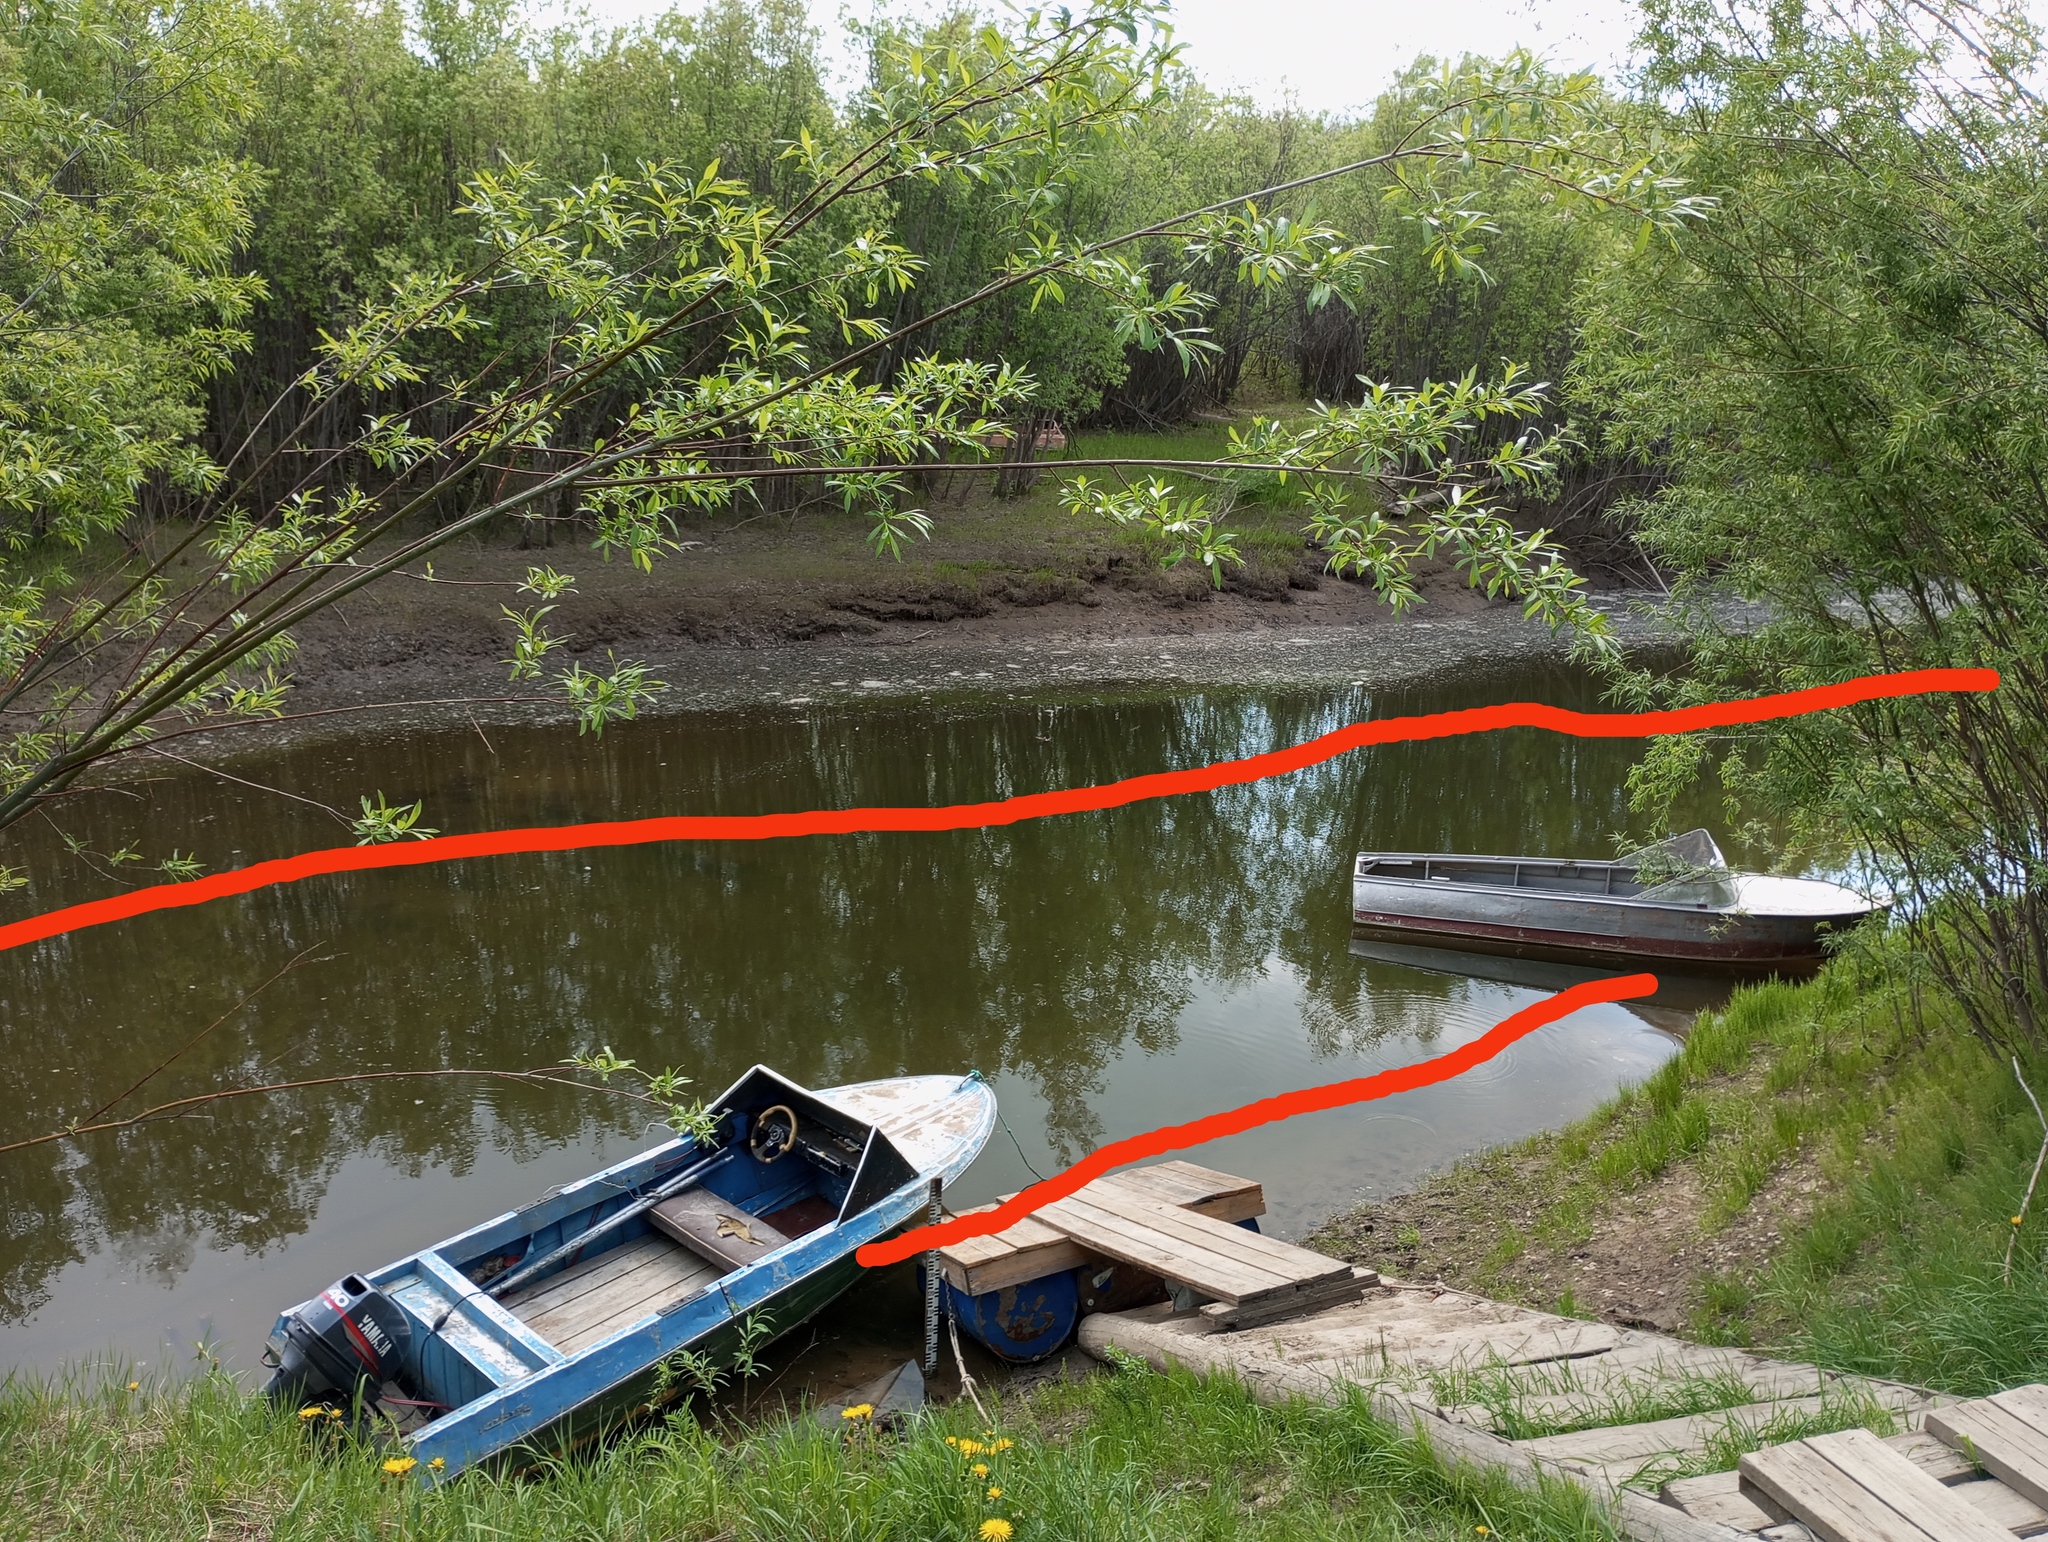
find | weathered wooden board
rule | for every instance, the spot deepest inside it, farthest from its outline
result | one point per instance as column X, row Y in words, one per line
column 1687, row 1435
column 1504, row 1346
column 1936, row 1510
column 1220, row 1196
column 2027, row 1404
column 1031, row 1249
column 1164, row 1252
column 716, row 1229
column 1206, row 1237
column 1381, row 1335
column 2004, row 1506
column 1199, row 1235
column 588, row 1275
column 1718, row 1496
column 1312, row 1297
column 1640, row 1361
column 1852, row 1487
column 1390, row 1322
column 1938, row 1461
column 612, row 1292
column 1833, row 1505
column 2002, row 1442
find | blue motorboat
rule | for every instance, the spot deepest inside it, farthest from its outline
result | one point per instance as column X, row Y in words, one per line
column 538, row 1328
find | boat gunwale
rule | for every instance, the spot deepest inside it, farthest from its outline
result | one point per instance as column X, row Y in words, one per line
column 1435, row 885
column 739, row 1290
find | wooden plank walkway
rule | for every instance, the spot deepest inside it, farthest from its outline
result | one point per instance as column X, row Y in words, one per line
column 1628, row 1412
column 1174, row 1220
column 1467, row 1372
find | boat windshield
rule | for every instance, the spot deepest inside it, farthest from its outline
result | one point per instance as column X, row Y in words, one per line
column 1714, row 890
column 1677, row 856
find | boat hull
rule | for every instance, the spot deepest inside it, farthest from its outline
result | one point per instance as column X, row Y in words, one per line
column 511, row 1392
column 1485, row 907
column 717, row 1350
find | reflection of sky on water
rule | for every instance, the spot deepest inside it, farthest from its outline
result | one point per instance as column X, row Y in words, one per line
column 1252, row 1043
column 1111, row 972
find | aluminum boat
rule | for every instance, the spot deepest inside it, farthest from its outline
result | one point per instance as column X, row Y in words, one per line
column 1675, row 902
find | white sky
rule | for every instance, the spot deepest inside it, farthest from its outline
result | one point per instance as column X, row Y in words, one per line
column 1331, row 54
column 1338, row 54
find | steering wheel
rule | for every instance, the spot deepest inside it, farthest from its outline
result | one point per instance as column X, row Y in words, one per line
column 765, row 1149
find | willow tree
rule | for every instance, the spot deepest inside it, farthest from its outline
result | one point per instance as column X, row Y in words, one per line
column 1845, row 375
column 722, row 340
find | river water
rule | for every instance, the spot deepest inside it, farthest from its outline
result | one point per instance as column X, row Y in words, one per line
column 1109, row 973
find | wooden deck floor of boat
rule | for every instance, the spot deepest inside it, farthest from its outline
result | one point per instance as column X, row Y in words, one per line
column 588, row 1301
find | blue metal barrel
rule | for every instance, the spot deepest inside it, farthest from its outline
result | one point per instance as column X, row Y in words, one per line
column 1020, row 1323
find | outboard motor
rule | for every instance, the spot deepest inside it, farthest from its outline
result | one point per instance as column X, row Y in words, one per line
column 348, row 1341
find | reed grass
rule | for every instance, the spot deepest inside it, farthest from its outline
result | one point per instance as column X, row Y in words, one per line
column 1129, row 1455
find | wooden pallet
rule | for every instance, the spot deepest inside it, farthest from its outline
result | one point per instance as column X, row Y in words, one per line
column 1852, row 1487
column 1174, row 1220
column 1032, row 1249
column 2006, row 1435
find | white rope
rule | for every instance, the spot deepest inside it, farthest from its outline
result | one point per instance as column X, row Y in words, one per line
column 966, row 1381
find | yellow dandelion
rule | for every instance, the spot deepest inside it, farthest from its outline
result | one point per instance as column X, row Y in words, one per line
column 399, row 1466
column 2015, row 1220
column 438, row 1463
column 952, row 1440
column 995, row 1493
column 312, row 1413
column 134, row 1386
column 1482, row 1531
column 1004, row 1444
column 979, row 1469
column 968, row 1447
column 858, row 1411
column 996, row 1529
column 334, row 1413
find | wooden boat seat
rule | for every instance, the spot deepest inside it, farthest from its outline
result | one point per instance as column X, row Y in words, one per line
column 592, row 1300
column 715, row 1229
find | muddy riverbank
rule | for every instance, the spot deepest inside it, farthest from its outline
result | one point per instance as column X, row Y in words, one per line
column 419, row 678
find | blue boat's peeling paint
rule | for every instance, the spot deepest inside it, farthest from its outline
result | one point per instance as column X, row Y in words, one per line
column 524, row 1387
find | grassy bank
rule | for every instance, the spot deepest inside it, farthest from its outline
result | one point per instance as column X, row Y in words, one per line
column 1127, row 1455
column 1828, row 1170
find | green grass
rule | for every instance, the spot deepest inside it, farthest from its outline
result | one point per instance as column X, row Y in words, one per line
column 1527, row 1402
column 1736, row 1438
column 1128, row 1455
column 1915, row 1141
column 1923, row 1142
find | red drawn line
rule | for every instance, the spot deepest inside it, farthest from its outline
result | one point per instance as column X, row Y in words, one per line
column 967, row 816
column 1177, row 1137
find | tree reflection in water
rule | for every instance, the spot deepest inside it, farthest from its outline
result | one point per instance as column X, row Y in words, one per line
column 1044, row 953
